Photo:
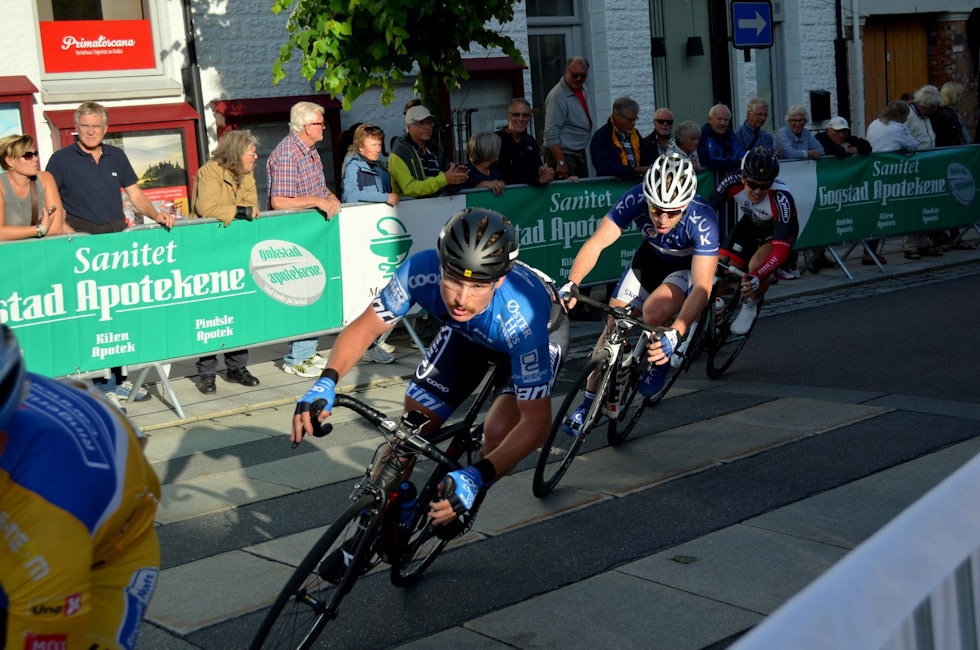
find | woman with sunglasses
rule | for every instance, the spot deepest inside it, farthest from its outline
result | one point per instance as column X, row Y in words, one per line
column 762, row 239
column 24, row 186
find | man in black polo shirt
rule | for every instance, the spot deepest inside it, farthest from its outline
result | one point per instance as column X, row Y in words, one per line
column 91, row 176
column 520, row 155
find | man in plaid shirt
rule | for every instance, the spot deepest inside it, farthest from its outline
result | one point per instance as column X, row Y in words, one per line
column 296, row 182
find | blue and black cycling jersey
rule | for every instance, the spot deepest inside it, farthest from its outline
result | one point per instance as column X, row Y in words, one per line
column 695, row 234
column 515, row 323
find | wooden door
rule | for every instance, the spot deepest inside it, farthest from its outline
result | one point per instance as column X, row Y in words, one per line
column 896, row 59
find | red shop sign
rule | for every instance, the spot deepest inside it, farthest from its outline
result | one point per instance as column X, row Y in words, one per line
column 93, row 45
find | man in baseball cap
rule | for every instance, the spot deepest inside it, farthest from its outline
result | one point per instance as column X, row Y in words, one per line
column 418, row 165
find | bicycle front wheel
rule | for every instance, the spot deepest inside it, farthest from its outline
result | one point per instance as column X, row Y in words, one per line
column 419, row 551
column 631, row 408
column 424, row 542
column 312, row 595
column 559, row 450
column 725, row 346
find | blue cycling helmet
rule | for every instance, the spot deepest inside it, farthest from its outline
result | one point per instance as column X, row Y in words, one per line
column 478, row 244
column 13, row 376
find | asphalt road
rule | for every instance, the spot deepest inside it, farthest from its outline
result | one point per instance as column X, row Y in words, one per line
column 894, row 339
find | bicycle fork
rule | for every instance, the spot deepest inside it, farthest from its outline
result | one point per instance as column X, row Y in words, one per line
column 625, row 359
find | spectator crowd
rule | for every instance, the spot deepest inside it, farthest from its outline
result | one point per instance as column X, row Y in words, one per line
column 72, row 195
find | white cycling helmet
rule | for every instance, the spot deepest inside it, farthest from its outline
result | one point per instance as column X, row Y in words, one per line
column 670, row 182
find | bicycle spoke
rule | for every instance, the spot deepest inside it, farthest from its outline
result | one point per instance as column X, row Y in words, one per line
column 560, row 449
column 311, row 597
column 726, row 346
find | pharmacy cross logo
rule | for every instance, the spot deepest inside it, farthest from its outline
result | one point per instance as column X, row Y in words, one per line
column 392, row 245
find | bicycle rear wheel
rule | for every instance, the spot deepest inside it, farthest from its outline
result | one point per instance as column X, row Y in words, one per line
column 559, row 450
column 309, row 601
column 725, row 346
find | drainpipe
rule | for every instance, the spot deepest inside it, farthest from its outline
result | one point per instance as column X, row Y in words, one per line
column 192, row 84
column 857, row 74
column 841, row 64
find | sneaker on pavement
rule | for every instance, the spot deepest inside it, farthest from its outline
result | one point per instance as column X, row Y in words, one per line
column 318, row 361
column 114, row 400
column 572, row 424
column 653, row 382
column 375, row 354
column 304, row 368
column 783, row 274
column 387, row 347
column 128, row 392
column 746, row 316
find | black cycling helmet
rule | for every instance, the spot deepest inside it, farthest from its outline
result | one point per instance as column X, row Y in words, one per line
column 760, row 165
column 478, row 244
column 13, row 376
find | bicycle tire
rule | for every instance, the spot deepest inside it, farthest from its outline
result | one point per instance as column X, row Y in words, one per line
column 726, row 346
column 555, row 459
column 308, row 602
column 631, row 408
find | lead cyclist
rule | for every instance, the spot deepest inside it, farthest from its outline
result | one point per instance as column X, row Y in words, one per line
column 492, row 309
column 670, row 276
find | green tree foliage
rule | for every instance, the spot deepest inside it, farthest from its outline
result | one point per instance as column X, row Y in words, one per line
column 347, row 46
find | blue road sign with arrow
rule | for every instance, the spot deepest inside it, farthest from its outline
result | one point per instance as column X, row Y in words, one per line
column 751, row 25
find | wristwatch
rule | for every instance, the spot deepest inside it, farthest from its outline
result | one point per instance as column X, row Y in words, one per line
column 41, row 231
column 561, row 163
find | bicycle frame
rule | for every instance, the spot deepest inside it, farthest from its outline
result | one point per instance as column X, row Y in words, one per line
column 370, row 530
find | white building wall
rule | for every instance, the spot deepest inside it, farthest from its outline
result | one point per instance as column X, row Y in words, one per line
column 22, row 56
column 818, row 30
column 237, row 44
column 620, row 35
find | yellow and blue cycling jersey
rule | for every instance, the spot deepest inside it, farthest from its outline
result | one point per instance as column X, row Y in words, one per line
column 79, row 556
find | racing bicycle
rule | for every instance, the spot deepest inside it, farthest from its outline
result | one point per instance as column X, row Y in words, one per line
column 386, row 521
column 619, row 364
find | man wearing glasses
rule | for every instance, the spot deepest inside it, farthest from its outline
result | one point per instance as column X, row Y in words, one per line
column 617, row 148
column 418, row 164
column 520, row 156
column 762, row 239
column 296, row 182
column 568, row 122
column 492, row 309
column 670, row 276
column 750, row 134
column 660, row 138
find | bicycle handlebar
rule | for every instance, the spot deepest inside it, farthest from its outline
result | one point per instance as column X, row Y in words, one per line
column 384, row 423
column 622, row 313
column 731, row 269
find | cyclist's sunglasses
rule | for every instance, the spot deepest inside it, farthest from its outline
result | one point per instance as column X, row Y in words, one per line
column 752, row 185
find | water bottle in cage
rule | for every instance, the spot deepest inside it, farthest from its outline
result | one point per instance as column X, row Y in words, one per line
column 407, row 498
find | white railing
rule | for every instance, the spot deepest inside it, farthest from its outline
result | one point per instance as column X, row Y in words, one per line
column 913, row 585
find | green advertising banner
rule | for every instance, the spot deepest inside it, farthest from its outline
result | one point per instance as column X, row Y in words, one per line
column 883, row 195
column 555, row 221
column 84, row 303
